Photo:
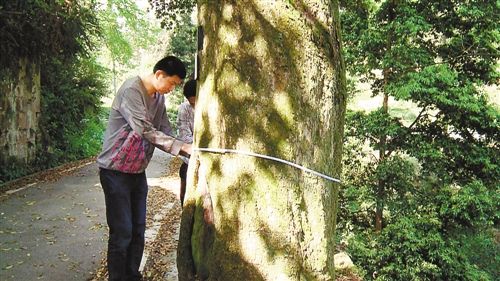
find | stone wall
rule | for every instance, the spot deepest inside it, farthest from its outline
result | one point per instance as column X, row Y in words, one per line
column 19, row 113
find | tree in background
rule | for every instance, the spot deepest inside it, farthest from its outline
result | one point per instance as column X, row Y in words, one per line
column 183, row 41
column 433, row 182
column 182, row 45
column 124, row 26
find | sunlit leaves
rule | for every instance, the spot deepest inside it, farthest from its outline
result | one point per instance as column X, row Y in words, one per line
column 183, row 41
column 436, row 63
column 169, row 10
column 124, row 26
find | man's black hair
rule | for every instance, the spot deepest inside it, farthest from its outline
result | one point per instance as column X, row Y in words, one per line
column 190, row 89
column 172, row 66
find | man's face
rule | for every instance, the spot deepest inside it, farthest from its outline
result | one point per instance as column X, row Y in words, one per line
column 164, row 83
column 192, row 101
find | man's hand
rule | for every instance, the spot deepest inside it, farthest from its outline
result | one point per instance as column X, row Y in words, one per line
column 186, row 150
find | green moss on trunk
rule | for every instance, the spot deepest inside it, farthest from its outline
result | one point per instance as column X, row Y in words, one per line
column 272, row 83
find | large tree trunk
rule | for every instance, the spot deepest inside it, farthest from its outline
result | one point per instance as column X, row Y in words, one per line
column 272, row 81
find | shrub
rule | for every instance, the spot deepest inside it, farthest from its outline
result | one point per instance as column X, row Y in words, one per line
column 414, row 248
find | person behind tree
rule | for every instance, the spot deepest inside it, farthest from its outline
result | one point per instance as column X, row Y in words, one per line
column 185, row 125
column 137, row 124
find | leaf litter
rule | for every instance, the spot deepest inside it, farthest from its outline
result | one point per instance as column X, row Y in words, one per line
column 161, row 262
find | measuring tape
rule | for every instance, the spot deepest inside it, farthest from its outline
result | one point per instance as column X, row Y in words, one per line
column 248, row 153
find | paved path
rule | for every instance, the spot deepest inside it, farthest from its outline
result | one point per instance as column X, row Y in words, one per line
column 57, row 230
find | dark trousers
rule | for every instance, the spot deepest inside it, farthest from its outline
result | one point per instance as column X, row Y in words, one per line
column 182, row 175
column 125, row 196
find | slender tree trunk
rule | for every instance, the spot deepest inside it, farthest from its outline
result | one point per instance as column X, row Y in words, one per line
column 379, row 211
column 272, row 82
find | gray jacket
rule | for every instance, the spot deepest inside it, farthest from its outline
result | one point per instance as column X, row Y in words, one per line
column 137, row 124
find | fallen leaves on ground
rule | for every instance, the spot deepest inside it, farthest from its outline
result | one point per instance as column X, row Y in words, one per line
column 46, row 175
column 161, row 261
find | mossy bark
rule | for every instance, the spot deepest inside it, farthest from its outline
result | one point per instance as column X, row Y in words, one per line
column 272, row 82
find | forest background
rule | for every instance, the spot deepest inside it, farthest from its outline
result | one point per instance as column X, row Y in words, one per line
column 420, row 199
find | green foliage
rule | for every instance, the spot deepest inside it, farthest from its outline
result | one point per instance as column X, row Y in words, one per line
column 70, row 104
column 373, row 126
column 172, row 117
column 82, row 142
column 472, row 205
column 183, row 42
column 169, row 11
column 398, row 177
column 481, row 249
column 88, row 142
column 432, row 232
column 12, row 169
column 183, row 46
column 414, row 248
column 61, row 36
column 123, row 26
column 470, row 35
column 434, row 174
column 39, row 30
column 58, row 36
